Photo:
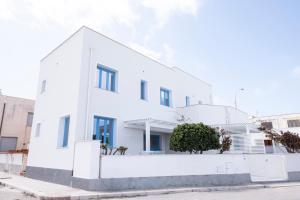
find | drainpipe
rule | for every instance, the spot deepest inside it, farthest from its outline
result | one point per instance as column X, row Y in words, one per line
column 2, row 118
column 86, row 109
column 86, row 130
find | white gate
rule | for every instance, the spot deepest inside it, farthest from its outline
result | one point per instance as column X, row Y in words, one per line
column 267, row 168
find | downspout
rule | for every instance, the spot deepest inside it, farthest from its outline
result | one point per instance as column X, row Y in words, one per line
column 86, row 137
column 86, row 111
column 2, row 118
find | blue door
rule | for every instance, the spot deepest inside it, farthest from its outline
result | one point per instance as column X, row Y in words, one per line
column 104, row 130
column 154, row 143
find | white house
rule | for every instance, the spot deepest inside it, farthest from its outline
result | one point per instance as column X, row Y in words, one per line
column 93, row 88
column 283, row 122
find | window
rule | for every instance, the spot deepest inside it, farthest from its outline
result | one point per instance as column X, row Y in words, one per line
column 267, row 125
column 187, row 101
column 107, row 78
column 8, row 143
column 293, row 123
column 104, row 130
column 164, row 97
column 29, row 119
column 37, row 129
column 43, row 89
column 143, row 90
column 63, row 132
column 155, row 142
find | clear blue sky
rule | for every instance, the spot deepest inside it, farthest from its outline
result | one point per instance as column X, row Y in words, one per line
column 232, row 44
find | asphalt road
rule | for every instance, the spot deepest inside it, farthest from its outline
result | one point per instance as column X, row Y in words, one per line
column 282, row 193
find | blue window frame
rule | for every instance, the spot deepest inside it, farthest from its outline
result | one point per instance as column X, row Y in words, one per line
column 187, row 101
column 155, row 142
column 104, row 130
column 143, row 90
column 107, row 78
column 164, row 97
column 63, row 136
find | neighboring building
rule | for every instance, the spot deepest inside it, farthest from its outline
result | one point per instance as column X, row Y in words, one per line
column 283, row 122
column 16, row 116
column 92, row 88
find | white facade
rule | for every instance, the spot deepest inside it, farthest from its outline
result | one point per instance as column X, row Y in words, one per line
column 284, row 122
column 70, row 91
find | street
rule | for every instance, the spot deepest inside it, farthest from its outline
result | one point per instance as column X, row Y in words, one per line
column 282, row 193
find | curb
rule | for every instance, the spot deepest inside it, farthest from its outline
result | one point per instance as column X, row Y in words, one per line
column 108, row 195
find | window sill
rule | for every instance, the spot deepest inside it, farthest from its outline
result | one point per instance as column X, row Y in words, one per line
column 63, row 148
column 115, row 92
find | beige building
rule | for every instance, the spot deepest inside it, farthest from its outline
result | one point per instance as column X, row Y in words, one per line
column 283, row 122
column 16, row 116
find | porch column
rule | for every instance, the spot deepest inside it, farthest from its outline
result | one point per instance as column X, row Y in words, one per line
column 147, row 130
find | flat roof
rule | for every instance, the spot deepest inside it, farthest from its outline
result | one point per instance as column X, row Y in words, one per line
column 154, row 60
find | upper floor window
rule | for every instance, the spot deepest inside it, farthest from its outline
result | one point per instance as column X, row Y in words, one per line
column 37, row 129
column 29, row 119
column 144, row 90
column 187, row 101
column 165, row 97
column 267, row 125
column 63, row 132
column 293, row 123
column 43, row 88
column 107, row 78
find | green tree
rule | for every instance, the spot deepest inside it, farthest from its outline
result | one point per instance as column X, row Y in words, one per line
column 194, row 138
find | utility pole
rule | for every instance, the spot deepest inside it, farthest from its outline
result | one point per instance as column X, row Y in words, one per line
column 235, row 96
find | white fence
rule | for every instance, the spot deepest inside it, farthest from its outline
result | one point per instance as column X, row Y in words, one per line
column 261, row 167
column 171, row 165
column 13, row 163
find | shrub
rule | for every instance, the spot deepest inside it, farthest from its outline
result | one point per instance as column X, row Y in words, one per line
column 291, row 141
column 194, row 138
column 226, row 141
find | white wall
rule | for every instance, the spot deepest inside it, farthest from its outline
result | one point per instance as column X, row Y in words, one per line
column 213, row 114
column 292, row 162
column 171, row 165
column 279, row 122
column 261, row 167
column 268, row 167
column 61, row 70
column 11, row 159
column 125, row 104
column 86, row 160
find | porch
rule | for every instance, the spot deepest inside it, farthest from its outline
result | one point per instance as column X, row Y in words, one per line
column 156, row 133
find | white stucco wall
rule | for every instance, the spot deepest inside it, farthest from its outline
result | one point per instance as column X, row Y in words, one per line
column 171, row 165
column 261, row 167
column 279, row 122
column 61, row 70
column 213, row 114
column 292, row 162
column 71, row 78
column 125, row 104
column 86, row 160
column 11, row 159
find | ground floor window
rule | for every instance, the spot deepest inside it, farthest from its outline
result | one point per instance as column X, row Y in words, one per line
column 155, row 142
column 103, row 130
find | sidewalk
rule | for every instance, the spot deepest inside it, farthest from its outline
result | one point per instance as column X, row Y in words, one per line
column 45, row 190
